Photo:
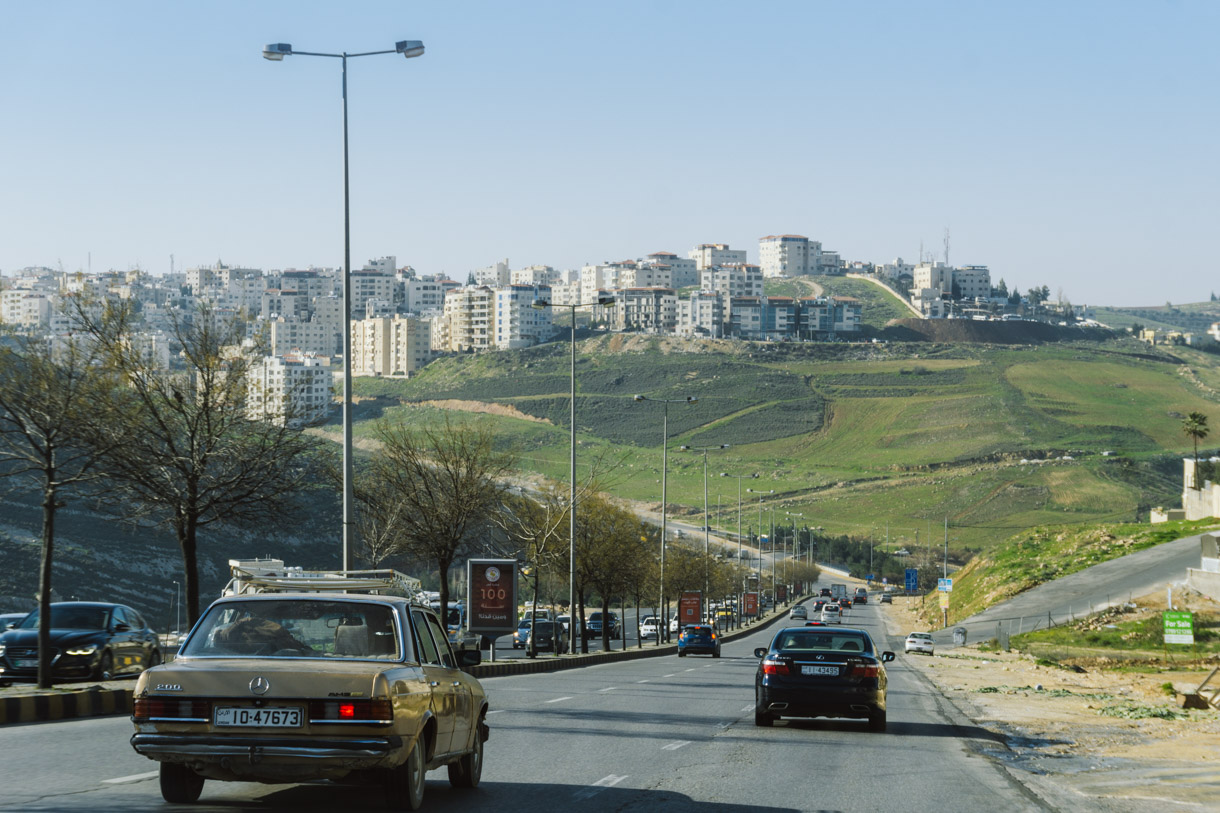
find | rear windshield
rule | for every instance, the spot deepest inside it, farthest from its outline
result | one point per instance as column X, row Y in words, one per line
column 297, row 628
column 699, row 630
column 796, row 641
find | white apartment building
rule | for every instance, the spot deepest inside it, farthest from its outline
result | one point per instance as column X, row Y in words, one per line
column 293, row 389
column 788, row 255
column 712, row 254
column 651, row 274
column 493, row 276
column 596, row 279
column 367, row 285
column 733, row 280
column 516, row 322
column 275, row 302
column 973, row 281
column 467, row 320
column 391, row 346
column 312, row 282
column 24, row 308
column 649, row 310
column 898, row 268
column 702, row 314
column 294, row 334
column 420, row 295
column 936, row 276
column 683, row 272
column 535, row 275
column 386, row 266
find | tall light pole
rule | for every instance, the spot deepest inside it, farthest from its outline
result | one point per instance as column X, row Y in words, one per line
column 795, row 540
column 663, row 609
column 739, row 477
column 540, row 304
column 759, row 492
column 707, row 528
column 276, row 52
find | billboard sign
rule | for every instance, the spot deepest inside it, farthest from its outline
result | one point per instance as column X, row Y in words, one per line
column 944, row 585
column 690, row 608
column 781, row 592
column 492, row 595
column 750, row 602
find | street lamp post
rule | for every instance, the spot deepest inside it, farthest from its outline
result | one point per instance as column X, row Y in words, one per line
column 540, row 304
column 276, row 52
column 178, row 602
column 707, row 528
column 759, row 492
column 663, row 609
column 795, row 538
column 739, row 477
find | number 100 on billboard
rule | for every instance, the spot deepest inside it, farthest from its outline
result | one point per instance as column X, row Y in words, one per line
column 492, row 595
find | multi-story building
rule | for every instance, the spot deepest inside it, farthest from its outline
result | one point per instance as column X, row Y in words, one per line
column 788, row 255
column 275, row 302
column 781, row 317
column 293, row 389
column 367, row 285
column 493, row 276
column 391, row 346
column 702, row 314
column 422, row 295
column 295, row 334
column 467, row 319
column 683, row 272
column 650, row 310
column 386, row 266
column 535, row 275
column 972, row 282
column 708, row 255
column 312, row 282
column 24, row 308
column 515, row 321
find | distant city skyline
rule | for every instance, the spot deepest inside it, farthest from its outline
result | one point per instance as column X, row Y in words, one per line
column 1066, row 145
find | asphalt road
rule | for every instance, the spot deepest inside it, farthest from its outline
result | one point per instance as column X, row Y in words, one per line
column 653, row 734
column 1087, row 591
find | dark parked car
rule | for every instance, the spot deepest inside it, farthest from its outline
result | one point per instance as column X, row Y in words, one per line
column 593, row 625
column 698, row 639
column 821, row 672
column 547, row 636
column 8, row 620
column 88, row 640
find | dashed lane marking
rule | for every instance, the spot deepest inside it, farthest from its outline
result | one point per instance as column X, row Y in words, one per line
column 497, row 711
column 135, row 777
column 608, row 689
column 642, row 681
column 557, row 699
column 598, row 786
column 675, row 745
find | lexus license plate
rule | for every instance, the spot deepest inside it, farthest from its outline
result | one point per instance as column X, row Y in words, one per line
column 819, row 670
column 258, row 718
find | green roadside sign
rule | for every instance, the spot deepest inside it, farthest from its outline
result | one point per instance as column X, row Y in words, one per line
column 1179, row 628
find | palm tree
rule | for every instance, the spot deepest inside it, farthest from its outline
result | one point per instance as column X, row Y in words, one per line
column 1195, row 427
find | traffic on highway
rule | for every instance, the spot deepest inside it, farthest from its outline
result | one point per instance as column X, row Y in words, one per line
column 644, row 734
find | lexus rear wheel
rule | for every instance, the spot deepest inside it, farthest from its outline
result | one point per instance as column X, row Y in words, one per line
column 179, row 784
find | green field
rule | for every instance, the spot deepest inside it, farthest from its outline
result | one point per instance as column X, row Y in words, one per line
column 855, row 437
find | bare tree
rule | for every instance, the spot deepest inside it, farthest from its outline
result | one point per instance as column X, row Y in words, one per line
column 448, row 481
column 191, row 454
column 52, row 401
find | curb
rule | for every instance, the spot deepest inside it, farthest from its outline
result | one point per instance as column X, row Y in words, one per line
column 64, row 705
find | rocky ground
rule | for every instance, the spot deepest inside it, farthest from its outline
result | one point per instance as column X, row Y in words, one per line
column 1104, row 738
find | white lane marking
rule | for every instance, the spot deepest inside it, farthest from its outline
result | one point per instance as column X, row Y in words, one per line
column 135, row 777
column 667, row 675
column 497, row 711
column 724, row 725
column 598, row 786
column 690, row 670
column 608, row 689
column 642, row 681
column 748, row 708
column 557, row 699
column 675, row 745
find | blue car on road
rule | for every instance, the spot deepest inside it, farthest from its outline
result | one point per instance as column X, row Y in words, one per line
column 698, row 639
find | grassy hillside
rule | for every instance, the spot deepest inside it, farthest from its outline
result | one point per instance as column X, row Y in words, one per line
column 854, row 437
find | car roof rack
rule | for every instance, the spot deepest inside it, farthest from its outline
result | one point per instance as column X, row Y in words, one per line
column 251, row 576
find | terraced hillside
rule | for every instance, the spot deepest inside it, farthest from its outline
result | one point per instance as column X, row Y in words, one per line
column 855, row 438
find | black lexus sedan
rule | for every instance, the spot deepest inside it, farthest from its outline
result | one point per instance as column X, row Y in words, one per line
column 821, row 672
column 88, row 640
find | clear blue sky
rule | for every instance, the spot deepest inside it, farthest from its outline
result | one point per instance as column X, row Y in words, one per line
column 1073, row 145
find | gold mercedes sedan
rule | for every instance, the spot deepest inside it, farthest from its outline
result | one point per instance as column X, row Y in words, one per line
column 291, row 687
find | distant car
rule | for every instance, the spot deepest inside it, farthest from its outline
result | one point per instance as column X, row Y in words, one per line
column 650, row 626
column 831, row 614
column 861, row 596
column 89, row 639
column 698, row 639
column 594, row 623
column 9, row 620
column 845, row 603
column 825, row 591
column 886, row 598
column 920, row 642
column 821, row 672
column 818, row 605
column 673, row 625
column 799, row 613
column 522, row 634
column 546, row 636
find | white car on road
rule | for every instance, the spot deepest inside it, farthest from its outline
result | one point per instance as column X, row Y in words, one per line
column 920, row 642
column 649, row 627
column 831, row 614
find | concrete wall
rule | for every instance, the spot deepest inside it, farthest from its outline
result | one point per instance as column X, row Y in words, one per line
column 1206, row 583
column 1202, row 502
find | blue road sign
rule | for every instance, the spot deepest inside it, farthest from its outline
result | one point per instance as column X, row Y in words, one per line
column 912, row 579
